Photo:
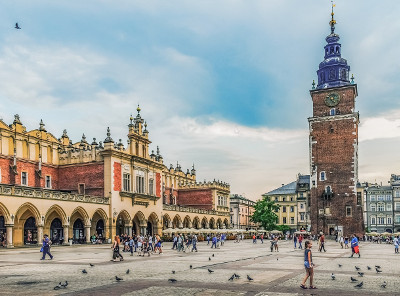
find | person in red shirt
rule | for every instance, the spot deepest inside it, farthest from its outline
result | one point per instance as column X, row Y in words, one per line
column 322, row 243
column 300, row 241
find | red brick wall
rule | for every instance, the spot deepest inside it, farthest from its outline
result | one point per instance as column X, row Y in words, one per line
column 30, row 168
column 53, row 173
column 92, row 175
column 199, row 198
column 5, row 170
column 117, row 176
column 158, row 184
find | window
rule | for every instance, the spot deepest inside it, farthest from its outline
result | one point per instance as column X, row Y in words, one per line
column 291, row 220
column 372, row 198
column 348, row 211
column 301, row 206
column 24, row 178
column 48, row 182
column 276, row 198
column 284, row 209
column 389, row 220
column 332, row 112
column 397, row 193
column 397, row 219
column 381, row 207
column 81, row 188
column 373, row 208
column 140, row 182
column 322, row 176
column 276, row 210
column 397, row 206
column 127, row 182
column 381, row 220
column 381, row 197
column 389, row 207
column 301, row 195
column 359, row 198
column 291, row 209
column 291, row 198
column 321, row 211
column 373, row 220
column 284, row 220
column 301, row 216
column 283, row 198
column 151, row 186
column 389, row 197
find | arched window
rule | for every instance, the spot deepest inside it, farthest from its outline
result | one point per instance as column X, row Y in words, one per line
column 332, row 111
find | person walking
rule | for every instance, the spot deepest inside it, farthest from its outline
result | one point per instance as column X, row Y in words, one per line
column 180, row 243
column 254, row 239
column 262, row 238
column 194, row 243
column 131, row 244
column 346, row 242
column 309, row 266
column 115, row 247
column 341, row 241
column 46, row 247
column 322, row 242
column 355, row 249
column 295, row 241
column 208, row 239
column 276, row 244
column 300, row 241
column 396, row 244
column 214, row 242
column 175, row 244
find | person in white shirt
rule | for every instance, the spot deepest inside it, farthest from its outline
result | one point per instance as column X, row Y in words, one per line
column 396, row 245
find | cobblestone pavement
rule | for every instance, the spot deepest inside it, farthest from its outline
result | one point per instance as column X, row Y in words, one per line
column 277, row 273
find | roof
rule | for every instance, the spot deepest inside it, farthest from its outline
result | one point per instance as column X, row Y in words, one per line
column 304, row 179
column 285, row 189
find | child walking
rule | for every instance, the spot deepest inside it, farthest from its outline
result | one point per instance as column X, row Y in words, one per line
column 309, row 265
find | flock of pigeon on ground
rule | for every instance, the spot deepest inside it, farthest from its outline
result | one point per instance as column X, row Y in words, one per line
column 361, row 274
column 171, row 280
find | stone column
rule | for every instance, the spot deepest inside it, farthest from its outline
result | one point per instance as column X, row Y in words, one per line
column 87, row 233
column 170, row 224
column 65, row 234
column 180, row 225
column 207, row 225
column 190, row 225
column 40, row 234
column 9, row 229
column 129, row 229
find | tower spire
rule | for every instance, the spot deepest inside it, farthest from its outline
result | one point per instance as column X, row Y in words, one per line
column 332, row 22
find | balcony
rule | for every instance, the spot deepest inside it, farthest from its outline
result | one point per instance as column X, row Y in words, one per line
column 39, row 193
column 140, row 199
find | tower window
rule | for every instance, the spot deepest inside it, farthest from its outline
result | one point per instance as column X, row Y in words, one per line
column 24, row 178
column 322, row 176
column 332, row 50
column 332, row 112
column 348, row 211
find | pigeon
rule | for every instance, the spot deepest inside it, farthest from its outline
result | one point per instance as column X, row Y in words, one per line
column 173, row 272
column 17, row 27
column 231, row 278
column 91, row 265
column 353, row 279
column 172, row 280
column 369, row 268
column 191, row 266
column 360, row 273
column 64, row 285
column 118, row 278
column 249, row 278
column 359, row 285
column 84, row 271
column 357, row 268
column 213, row 255
column 333, row 276
column 236, row 276
column 378, row 266
column 127, row 272
column 209, row 258
column 384, row 285
column 377, row 270
column 210, row 271
column 340, row 265
column 58, row 287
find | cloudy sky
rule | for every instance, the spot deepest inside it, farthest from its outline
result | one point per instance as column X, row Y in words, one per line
column 222, row 84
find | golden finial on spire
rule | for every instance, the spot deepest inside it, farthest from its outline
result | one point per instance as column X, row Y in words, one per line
column 332, row 22
column 138, row 108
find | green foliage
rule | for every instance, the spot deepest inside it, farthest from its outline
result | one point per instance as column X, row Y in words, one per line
column 284, row 228
column 265, row 213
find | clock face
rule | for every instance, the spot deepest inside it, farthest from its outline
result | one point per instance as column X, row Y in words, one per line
column 332, row 99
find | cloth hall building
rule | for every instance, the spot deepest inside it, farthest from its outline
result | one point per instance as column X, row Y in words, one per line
column 72, row 191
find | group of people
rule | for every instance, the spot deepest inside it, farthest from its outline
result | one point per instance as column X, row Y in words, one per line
column 185, row 243
column 136, row 243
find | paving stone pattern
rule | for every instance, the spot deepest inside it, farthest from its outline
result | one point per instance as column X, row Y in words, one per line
column 277, row 273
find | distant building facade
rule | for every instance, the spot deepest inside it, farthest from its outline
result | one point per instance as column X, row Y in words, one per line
column 241, row 210
column 293, row 201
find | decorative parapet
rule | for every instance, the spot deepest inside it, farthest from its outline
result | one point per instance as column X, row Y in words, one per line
column 202, row 185
column 50, row 194
column 177, row 208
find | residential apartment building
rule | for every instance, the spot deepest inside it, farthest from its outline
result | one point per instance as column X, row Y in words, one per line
column 379, row 205
column 241, row 210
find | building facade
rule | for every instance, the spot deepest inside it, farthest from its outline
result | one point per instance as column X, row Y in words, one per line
column 293, row 199
column 74, row 190
column 379, row 202
column 241, row 210
column 333, row 142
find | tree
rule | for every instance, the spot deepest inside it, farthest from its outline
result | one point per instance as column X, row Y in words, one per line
column 284, row 228
column 264, row 213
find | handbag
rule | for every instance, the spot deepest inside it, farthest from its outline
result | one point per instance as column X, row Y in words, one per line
column 41, row 249
column 356, row 250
